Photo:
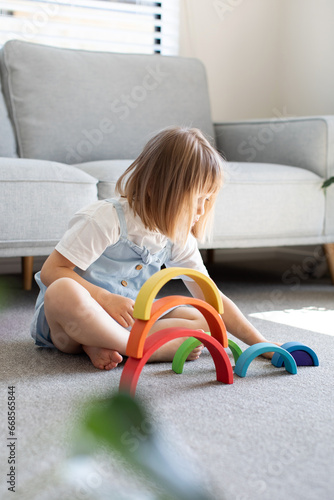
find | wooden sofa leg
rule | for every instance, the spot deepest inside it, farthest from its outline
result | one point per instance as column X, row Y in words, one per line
column 27, row 266
column 329, row 251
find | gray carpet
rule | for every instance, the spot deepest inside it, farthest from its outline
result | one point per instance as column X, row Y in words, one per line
column 267, row 436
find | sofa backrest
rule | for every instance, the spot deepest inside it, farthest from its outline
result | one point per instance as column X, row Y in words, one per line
column 7, row 137
column 74, row 106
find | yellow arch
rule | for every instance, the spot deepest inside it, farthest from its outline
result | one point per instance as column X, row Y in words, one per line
column 148, row 292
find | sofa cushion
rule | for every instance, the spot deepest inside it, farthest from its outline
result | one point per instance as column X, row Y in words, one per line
column 107, row 171
column 7, row 138
column 74, row 106
column 268, row 202
column 264, row 202
column 37, row 199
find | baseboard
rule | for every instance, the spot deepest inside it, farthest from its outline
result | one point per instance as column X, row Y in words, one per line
column 258, row 254
column 12, row 265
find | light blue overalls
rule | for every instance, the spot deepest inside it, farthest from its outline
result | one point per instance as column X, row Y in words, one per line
column 122, row 269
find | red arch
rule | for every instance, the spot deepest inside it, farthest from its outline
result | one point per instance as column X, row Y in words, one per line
column 133, row 366
column 141, row 327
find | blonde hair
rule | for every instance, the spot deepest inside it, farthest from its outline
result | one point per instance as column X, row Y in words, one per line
column 162, row 185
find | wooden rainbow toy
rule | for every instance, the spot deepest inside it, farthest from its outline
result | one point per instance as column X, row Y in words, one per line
column 146, row 312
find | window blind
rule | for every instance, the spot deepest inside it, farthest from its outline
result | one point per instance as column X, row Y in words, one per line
column 105, row 25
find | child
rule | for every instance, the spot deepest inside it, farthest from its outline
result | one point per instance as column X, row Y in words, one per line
column 89, row 283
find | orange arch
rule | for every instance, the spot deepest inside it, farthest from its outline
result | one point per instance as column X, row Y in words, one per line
column 141, row 328
column 147, row 293
column 133, row 367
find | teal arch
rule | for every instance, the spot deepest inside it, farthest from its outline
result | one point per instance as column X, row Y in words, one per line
column 255, row 350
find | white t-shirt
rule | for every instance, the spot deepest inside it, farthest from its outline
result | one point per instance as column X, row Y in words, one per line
column 95, row 227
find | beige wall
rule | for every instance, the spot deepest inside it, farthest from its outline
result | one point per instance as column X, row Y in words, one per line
column 307, row 56
column 263, row 57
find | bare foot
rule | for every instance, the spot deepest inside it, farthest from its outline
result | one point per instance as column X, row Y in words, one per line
column 168, row 350
column 269, row 355
column 104, row 359
column 195, row 354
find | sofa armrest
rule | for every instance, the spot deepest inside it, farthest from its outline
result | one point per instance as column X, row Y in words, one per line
column 306, row 142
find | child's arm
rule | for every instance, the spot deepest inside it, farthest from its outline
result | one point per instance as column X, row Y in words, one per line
column 236, row 323
column 120, row 308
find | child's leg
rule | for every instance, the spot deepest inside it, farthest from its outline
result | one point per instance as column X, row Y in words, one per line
column 78, row 322
column 183, row 317
column 239, row 326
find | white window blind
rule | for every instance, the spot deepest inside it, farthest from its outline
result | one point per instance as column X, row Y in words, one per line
column 105, row 25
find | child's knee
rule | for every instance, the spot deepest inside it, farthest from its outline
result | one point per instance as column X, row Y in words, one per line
column 200, row 321
column 62, row 292
column 196, row 318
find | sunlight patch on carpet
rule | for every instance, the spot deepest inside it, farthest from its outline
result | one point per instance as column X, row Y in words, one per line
column 314, row 319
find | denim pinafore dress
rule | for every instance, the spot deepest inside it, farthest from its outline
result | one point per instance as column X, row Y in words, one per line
column 123, row 268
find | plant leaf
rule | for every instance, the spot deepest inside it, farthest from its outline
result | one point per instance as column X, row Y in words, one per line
column 328, row 182
column 122, row 424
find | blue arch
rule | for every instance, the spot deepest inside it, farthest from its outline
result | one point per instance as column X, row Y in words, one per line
column 294, row 347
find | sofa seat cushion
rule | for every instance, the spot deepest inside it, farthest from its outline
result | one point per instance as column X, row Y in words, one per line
column 107, row 172
column 264, row 202
column 37, row 199
column 268, row 202
column 74, row 106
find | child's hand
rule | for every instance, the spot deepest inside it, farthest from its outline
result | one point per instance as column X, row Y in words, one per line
column 119, row 308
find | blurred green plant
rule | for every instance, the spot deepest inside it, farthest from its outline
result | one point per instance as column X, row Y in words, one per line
column 328, row 182
column 121, row 424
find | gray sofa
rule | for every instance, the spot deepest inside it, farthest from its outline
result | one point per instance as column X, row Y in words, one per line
column 72, row 121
